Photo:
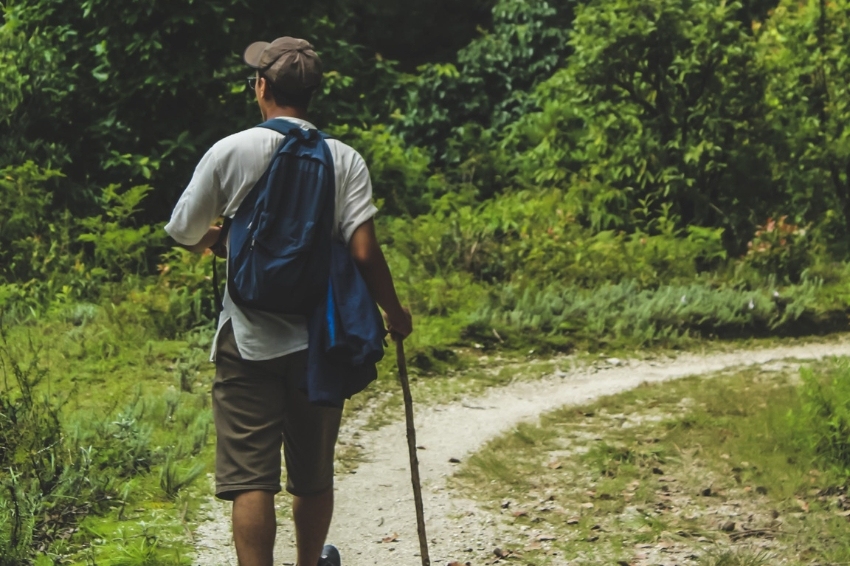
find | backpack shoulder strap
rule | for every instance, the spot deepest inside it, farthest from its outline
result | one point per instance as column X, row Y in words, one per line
column 283, row 127
column 221, row 244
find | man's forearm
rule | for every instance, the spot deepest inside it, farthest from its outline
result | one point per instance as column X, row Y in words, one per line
column 376, row 274
column 368, row 256
column 209, row 240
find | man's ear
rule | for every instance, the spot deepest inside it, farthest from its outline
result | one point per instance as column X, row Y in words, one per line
column 263, row 89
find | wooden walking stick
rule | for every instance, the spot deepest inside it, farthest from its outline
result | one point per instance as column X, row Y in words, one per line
column 411, row 448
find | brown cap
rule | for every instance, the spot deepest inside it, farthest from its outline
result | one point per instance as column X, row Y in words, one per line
column 289, row 63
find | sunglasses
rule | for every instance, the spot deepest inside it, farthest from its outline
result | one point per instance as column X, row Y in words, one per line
column 252, row 82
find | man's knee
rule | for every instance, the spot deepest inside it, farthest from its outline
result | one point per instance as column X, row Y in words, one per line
column 253, row 507
column 322, row 495
column 253, row 495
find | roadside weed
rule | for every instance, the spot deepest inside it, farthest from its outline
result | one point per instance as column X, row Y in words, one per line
column 173, row 476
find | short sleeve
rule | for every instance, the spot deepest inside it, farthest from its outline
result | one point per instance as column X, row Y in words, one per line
column 199, row 205
column 355, row 205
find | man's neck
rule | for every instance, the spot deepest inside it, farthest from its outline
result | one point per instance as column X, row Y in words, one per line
column 286, row 112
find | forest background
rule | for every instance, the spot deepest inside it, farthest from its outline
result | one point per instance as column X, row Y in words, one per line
column 551, row 175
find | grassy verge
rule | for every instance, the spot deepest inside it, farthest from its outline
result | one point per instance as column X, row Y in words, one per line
column 700, row 471
column 106, row 432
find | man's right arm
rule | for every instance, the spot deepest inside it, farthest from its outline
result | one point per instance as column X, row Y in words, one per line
column 209, row 240
column 199, row 205
column 367, row 254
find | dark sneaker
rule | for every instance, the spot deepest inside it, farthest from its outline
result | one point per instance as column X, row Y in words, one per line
column 330, row 556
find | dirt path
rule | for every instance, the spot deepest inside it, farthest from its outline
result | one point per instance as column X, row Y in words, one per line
column 375, row 504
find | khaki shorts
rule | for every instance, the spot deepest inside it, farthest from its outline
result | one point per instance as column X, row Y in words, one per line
column 256, row 406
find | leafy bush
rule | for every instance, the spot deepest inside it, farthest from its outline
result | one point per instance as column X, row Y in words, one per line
column 182, row 298
column 400, row 173
column 29, row 246
column 120, row 248
column 660, row 102
column 49, row 261
column 488, row 84
column 533, row 237
column 808, row 104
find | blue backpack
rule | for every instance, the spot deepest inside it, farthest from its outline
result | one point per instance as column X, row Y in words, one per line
column 282, row 258
column 280, row 236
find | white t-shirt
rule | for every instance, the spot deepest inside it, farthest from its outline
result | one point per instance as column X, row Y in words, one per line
column 227, row 172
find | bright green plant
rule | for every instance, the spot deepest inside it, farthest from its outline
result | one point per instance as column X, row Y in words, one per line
column 120, row 247
column 823, row 421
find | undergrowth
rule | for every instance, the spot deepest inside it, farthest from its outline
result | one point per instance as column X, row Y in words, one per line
column 668, row 315
column 823, row 420
column 70, row 474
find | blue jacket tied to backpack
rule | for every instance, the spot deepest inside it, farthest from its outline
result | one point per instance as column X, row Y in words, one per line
column 346, row 334
column 282, row 258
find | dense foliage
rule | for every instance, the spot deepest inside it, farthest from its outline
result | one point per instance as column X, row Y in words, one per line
column 555, row 147
column 550, row 173
column 564, row 146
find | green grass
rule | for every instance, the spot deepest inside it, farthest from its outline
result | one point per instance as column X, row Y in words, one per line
column 134, row 419
column 661, row 471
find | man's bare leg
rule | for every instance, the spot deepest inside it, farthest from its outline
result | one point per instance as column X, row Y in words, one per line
column 254, row 528
column 312, row 517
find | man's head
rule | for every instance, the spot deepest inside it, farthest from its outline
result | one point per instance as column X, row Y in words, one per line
column 288, row 73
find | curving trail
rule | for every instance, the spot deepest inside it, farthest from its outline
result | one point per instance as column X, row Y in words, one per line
column 376, row 502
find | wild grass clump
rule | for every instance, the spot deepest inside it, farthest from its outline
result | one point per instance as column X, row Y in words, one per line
column 173, row 477
column 822, row 423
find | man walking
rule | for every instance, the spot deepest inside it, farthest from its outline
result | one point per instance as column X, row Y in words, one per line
column 261, row 356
